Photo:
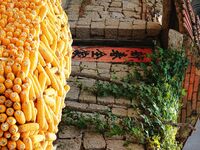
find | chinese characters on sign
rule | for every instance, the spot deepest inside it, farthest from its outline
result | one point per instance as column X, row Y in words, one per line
column 111, row 54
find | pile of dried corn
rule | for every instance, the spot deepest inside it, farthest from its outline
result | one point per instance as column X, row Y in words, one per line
column 35, row 60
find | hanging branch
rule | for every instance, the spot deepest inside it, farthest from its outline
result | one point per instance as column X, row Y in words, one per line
column 78, row 74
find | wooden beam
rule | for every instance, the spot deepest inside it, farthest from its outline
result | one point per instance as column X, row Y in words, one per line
column 167, row 9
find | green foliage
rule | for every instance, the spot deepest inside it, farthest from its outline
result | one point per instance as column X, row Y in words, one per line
column 110, row 126
column 157, row 87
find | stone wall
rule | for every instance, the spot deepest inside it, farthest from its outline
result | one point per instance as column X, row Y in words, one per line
column 81, row 101
column 114, row 19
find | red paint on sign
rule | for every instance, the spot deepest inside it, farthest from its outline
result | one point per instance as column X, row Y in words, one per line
column 111, row 54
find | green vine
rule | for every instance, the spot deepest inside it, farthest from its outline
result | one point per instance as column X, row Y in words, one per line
column 157, row 87
column 111, row 125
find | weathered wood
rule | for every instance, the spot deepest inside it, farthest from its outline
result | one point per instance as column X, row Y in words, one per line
column 167, row 9
column 78, row 74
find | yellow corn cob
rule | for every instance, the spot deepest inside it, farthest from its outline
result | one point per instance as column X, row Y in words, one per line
column 35, row 61
column 29, row 127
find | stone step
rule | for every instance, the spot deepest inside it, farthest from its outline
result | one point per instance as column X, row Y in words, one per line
column 71, row 138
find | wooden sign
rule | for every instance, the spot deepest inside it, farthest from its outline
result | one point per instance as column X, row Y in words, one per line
column 111, row 54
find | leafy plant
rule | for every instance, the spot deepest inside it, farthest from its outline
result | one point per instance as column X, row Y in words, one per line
column 157, row 87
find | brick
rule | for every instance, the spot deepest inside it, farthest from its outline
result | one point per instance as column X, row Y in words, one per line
column 189, row 108
column 188, row 69
column 187, row 81
column 76, row 106
column 197, row 72
column 198, row 107
column 194, row 101
column 198, row 97
column 119, row 112
column 192, row 76
column 183, row 115
column 190, row 91
column 184, row 101
column 196, row 83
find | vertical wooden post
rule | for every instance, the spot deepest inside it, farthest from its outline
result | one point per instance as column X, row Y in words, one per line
column 167, row 9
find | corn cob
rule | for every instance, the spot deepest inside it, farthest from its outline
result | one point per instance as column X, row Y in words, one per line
column 35, row 61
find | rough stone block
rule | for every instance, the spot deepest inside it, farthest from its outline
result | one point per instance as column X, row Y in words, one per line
column 139, row 31
column 111, row 32
column 98, row 28
column 175, row 39
column 89, row 65
column 153, row 29
column 112, row 22
column 73, row 28
column 129, row 14
column 119, row 112
column 69, row 132
column 116, row 4
column 122, row 101
column 103, row 71
column 76, row 68
column 115, row 145
column 73, row 93
column 83, row 32
column 114, row 9
column 76, row 63
column 119, row 75
column 97, row 108
column 72, row 144
column 119, row 67
column 93, row 8
column 130, row 6
column 93, row 141
column 132, row 112
column 105, row 100
column 73, row 17
column 102, row 65
column 117, row 15
column 125, row 30
column 87, row 97
column 76, row 106
column 84, row 22
column 135, row 147
column 89, row 71
column 87, row 82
